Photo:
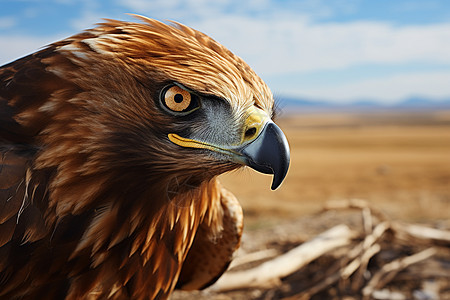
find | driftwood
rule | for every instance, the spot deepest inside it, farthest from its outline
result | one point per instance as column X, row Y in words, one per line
column 363, row 263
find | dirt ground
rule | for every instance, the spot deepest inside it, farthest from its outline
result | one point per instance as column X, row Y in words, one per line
column 398, row 161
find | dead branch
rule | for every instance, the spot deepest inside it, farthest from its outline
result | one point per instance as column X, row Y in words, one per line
column 355, row 204
column 356, row 263
column 379, row 230
column 253, row 257
column 269, row 273
column 367, row 220
column 422, row 232
column 347, row 272
column 365, row 247
column 388, row 271
column 364, row 261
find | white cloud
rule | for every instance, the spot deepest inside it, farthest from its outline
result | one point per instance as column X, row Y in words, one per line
column 91, row 14
column 19, row 46
column 389, row 89
column 87, row 20
column 188, row 10
column 290, row 45
column 276, row 40
column 275, row 37
column 7, row 22
column 148, row 6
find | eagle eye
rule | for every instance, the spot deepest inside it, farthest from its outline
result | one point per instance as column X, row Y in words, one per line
column 178, row 100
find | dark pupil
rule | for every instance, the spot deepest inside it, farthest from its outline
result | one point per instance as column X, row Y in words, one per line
column 178, row 98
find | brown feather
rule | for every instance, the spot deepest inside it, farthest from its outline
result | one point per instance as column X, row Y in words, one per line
column 212, row 252
column 95, row 201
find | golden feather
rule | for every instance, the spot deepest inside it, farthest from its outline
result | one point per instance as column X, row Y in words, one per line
column 96, row 201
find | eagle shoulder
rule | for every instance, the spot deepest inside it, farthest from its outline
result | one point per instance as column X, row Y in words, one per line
column 212, row 252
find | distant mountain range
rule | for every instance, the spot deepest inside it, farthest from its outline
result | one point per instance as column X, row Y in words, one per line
column 413, row 103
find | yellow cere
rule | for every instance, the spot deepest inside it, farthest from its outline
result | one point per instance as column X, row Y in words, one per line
column 256, row 119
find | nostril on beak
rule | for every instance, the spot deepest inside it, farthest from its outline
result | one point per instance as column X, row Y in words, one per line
column 250, row 133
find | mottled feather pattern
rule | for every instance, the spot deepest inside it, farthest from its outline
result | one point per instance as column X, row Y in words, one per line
column 95, row 202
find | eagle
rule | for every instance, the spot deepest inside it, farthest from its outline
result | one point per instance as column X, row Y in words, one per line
column 111, row 143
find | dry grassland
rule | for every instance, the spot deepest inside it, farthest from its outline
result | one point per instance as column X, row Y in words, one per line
column 398, row 161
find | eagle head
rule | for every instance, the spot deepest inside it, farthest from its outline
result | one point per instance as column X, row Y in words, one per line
column 179, row 102
column 101, row 133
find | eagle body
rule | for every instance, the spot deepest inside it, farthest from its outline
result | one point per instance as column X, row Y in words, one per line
column 111, row 142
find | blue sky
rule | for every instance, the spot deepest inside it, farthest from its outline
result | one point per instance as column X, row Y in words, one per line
column 334, row 50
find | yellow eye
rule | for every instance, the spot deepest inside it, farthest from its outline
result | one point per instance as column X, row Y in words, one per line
column 178, row 100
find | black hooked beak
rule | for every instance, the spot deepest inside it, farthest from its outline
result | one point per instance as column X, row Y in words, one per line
column 269, row 153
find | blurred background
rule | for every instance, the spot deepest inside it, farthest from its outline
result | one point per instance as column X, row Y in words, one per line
column 363, row 89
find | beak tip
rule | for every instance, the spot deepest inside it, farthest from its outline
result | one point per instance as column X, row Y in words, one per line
column 275, row 185
column 269, row 154
column 278, row 178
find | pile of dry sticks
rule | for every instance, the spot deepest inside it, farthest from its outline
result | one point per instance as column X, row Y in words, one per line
column 385, row 259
